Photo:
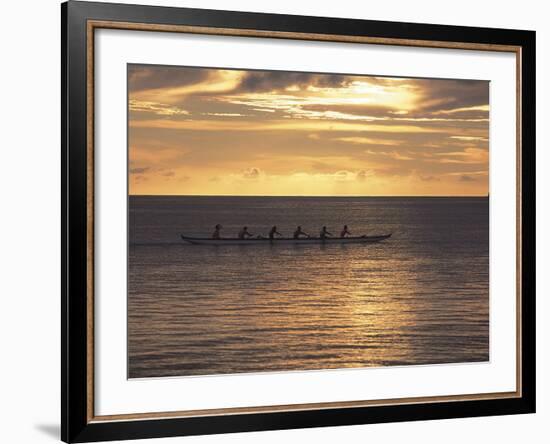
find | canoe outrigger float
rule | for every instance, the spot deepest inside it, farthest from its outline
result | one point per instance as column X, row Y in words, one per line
column 286, row 240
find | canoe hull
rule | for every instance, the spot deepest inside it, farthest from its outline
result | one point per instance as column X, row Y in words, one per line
column 286, row 241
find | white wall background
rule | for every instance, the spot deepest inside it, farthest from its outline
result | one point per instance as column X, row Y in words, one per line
column 30, row 208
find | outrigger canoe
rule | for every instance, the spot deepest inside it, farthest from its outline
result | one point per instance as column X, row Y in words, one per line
column 286, row 240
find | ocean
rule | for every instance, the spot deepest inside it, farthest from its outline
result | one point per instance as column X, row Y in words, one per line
column 420, row 297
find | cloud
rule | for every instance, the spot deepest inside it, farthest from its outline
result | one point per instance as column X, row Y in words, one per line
column 447, row 94
column 168, row 173
column 155, row 153
column 184, row 85
column 257, row 81
column 362, row 175
column 359, row 99
column 160, row 109
column 145, row 77
column 140, row 178
column 367, row 141
column 300, row 133
column 144, row 173
column 468, row 155
column 282, row 125
column 342, row 176
column 469, row 138
column 336, row 176
column 139, row 170
column 311, row 95
column 430, row 178
column 393, row 171
column 392, row 154
column 251, row 173
column 224, row 114
column 365, row 110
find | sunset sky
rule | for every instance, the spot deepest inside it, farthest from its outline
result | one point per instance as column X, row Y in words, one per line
column 202, row 131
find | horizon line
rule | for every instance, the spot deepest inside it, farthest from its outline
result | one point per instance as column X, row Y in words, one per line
column 304, row 195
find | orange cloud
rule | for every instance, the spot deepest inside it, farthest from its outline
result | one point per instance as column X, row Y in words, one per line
column 225, row 131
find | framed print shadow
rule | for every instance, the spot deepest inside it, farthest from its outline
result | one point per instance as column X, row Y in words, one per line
column 275, row 221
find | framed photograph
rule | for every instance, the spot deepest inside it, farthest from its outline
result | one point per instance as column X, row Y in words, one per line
column 276, row 221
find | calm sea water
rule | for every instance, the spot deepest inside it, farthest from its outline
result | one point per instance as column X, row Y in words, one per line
column 421, row 297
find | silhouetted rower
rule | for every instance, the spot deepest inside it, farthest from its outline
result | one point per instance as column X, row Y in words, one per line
column 274, row 232
column 324, row 233
column 299, row 232
column 243, row 233
column 345, row 231
column 216, row 233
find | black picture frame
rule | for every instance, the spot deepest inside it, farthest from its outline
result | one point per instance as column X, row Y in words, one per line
column 76, row 423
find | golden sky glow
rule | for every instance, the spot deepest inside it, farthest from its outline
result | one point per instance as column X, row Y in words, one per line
column 201, row 131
